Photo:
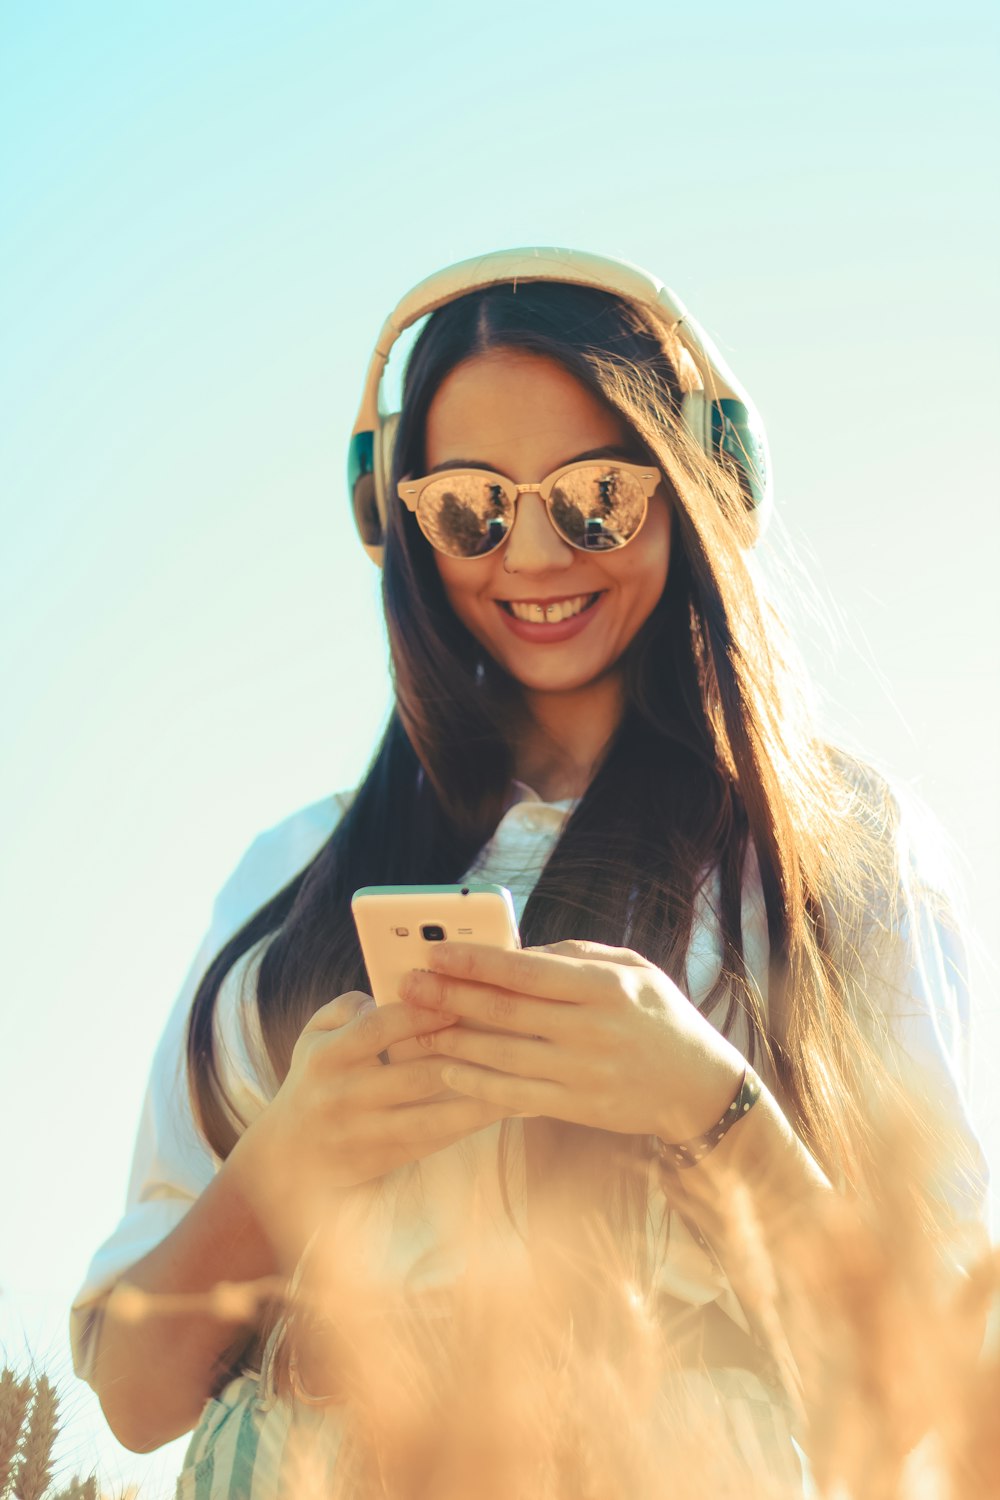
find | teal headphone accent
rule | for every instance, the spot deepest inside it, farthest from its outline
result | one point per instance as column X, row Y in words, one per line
column 719, row 414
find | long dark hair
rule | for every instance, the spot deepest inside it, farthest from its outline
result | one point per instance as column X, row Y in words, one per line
column 715, row 753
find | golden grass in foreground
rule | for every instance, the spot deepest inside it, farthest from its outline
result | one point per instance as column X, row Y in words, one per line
column 546, row 1373
column 498, row 1371
column 549, row 1375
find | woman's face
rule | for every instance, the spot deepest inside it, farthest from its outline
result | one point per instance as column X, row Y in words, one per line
column 524, row 415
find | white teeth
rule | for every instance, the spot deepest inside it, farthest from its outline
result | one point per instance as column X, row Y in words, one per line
column 550, row 614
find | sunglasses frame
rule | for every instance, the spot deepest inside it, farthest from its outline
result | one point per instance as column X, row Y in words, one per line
column 410, row 491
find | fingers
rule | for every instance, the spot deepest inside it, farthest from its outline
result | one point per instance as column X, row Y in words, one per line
column 493, row 1007
column 410, row 1127
column 338, row 1012
column 442, row 1122
column 527, row 971
column 505, row 1054
column 518, row 1096
column 401, row 1082
column 366, row 1029
column 377, row 1028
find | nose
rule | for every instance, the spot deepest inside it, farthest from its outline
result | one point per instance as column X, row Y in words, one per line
column 534, row 545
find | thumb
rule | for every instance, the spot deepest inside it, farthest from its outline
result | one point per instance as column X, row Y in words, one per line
column 339, row 1012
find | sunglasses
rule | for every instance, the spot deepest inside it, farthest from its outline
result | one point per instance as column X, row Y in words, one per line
column 595, row 505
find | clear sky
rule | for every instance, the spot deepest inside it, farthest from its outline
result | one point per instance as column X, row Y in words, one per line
column 207, row 211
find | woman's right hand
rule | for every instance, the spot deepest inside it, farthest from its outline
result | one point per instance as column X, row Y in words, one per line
column 341, row 1117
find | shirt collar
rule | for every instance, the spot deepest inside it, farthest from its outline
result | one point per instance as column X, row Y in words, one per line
column 522, row 792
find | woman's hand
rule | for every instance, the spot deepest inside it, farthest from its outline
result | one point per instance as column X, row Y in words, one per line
column 581, row 1032
column 342, row 1118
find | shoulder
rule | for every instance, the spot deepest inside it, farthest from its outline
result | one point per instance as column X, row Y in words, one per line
column 910, row 987
column 888, row 815
column 912, row 938
column 275, row 857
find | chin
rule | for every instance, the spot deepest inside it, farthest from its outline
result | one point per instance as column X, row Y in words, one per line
column 542, row 678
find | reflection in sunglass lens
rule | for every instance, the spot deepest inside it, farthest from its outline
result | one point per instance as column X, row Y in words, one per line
column 463, row 515
column 598, row 506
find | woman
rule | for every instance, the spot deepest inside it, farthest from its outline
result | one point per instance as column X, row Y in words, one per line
column 594, row 705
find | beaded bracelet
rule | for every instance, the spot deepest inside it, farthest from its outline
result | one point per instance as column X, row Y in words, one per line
column 689, row 1153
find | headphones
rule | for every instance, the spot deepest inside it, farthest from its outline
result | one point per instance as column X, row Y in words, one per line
column 719, row 414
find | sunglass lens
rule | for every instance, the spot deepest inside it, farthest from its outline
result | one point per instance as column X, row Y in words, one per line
column 598, row 506
column 463, row 515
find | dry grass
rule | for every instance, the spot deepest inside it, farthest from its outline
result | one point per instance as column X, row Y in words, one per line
column 15, row 1397
column 505, row 1384
column 502, row 1371
column 29, row 1426
column 548, row 1376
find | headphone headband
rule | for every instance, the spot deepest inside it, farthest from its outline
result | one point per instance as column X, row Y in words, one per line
column 720, row 416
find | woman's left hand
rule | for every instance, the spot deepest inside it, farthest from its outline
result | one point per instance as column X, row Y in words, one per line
column 580, row 1032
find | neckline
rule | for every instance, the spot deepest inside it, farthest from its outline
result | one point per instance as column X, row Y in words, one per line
column 528, row 794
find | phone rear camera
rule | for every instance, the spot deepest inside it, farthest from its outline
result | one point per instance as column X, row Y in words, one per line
column 432, row 933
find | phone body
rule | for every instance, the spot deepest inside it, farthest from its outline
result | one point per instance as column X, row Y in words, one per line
column 398, row 926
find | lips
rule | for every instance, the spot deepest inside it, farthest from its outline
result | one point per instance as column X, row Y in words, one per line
column 548, row 611
column 542, row 632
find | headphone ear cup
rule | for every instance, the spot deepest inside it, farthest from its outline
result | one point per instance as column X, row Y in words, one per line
column 731, row 433
column 385, row 444
column 694, row 411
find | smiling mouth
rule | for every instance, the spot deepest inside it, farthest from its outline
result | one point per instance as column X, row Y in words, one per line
column 551, row 611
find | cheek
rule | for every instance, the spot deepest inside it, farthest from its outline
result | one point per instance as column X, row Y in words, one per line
column 461, row 582
column 652, row 561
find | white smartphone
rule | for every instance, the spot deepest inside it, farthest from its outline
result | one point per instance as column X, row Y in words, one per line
column 398, row 926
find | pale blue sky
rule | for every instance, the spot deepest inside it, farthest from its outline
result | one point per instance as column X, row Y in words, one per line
column 206, row 214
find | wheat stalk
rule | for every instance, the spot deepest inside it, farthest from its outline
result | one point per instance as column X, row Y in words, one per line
column 79, row 1490
column 34, row 1466
column 14, row 1397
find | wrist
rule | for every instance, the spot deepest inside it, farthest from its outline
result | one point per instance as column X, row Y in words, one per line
column 765, row 1157
column 678, row 1155
column 253, row 1168
column 683, row 1117
column 281, row 1189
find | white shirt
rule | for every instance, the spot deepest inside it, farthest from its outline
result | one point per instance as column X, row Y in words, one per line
column 928, row 1038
